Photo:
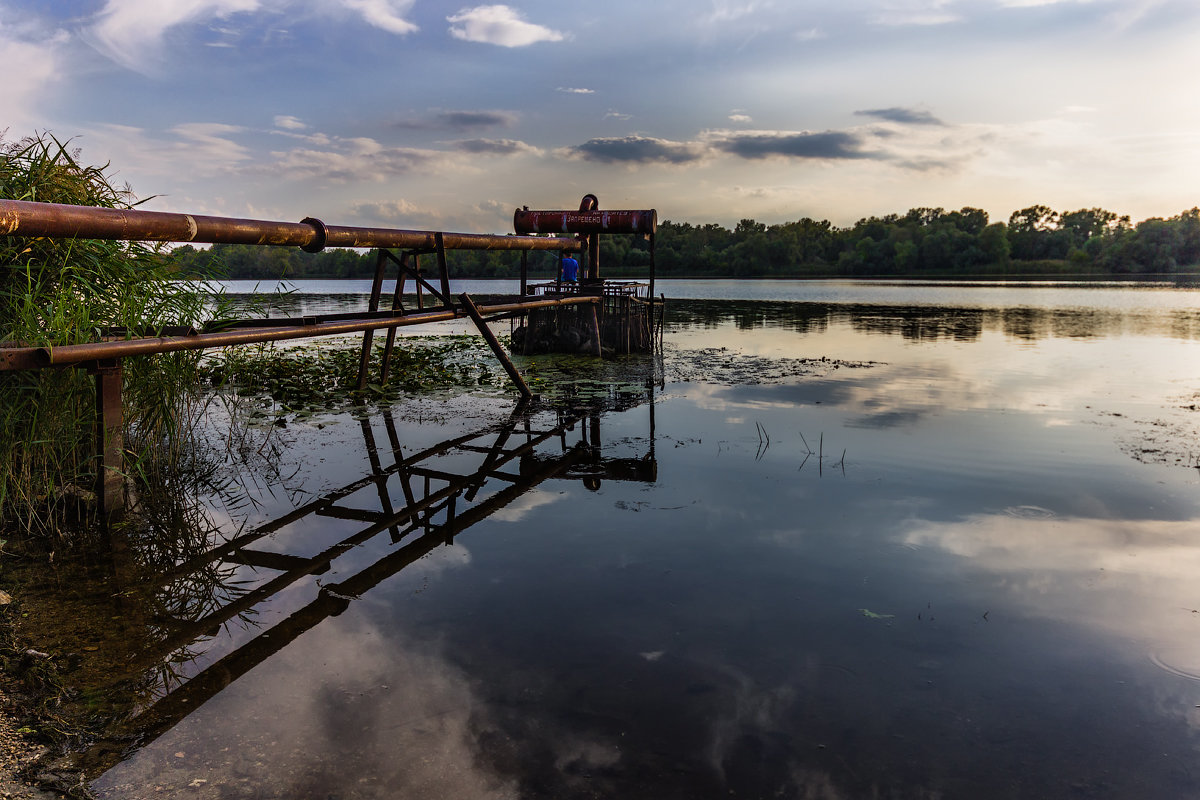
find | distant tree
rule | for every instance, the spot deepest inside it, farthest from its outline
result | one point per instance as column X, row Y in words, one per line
column 1033, row 234
column 993, row 241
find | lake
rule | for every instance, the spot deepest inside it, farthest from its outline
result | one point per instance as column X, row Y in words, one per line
column 842, row 539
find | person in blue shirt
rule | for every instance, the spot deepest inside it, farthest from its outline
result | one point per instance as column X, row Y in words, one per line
column 570, row 269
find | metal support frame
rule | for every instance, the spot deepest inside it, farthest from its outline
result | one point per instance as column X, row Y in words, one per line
column 490, row 338
column 397, row 305
column 110, row 442
column 364, row 358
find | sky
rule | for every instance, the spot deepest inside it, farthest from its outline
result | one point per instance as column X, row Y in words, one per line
column 445, row 116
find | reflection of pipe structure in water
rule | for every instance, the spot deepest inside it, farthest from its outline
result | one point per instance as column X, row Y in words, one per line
column 419, row 509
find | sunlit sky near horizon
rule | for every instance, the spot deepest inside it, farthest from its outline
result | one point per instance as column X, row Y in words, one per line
column 419, row 114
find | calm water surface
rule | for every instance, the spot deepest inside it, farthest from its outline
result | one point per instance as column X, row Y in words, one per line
column 956, row 559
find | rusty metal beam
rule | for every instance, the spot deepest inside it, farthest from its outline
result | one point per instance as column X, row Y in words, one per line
column 95, row 351
column 493, row 343
column 25, row 218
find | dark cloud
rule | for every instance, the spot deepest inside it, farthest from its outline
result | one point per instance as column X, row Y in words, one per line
column 926, row 164
column 827, row 145
column 637, row 150
column 461, row 121
column 906, row 116
column 497, row 147
column 476, row 119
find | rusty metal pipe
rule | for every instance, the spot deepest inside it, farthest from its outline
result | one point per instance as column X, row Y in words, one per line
column 25, row 218
column 585, row 222
column 94, row 351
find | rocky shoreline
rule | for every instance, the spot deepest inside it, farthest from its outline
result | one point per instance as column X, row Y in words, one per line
column 17, row 751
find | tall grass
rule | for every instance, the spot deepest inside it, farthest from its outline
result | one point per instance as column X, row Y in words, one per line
column 57, row 292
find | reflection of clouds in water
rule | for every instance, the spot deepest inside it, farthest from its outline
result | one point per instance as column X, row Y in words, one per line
column 1134, row 578
column 749, row 710
column 517, row 510
column 443, row 558
column 342, row 712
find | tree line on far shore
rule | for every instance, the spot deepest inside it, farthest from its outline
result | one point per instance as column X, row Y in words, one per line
column 922, row 242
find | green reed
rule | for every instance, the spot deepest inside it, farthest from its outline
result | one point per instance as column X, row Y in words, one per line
column 60, row 291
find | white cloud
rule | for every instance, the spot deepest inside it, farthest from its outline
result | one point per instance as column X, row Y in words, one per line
column 741, row 119
column 723, row 11
column 808, row 34
column 494, row 147
column 385, row 14
column 1035, row 3
column 916, row 12
column 384, row 209
column 31, row 60
column 130, row 32
column 499, row 25
column 612, row 113
column 208, row 141
column 346, row 160
column 570, row 90
column 289, row 123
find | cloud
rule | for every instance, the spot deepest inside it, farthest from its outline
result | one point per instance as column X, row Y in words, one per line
column 387, row 209
column 724, row 11
column 384, row 14
column 498, row 25
column 208, row 141
column 476, row 119
column 130, row 32
column 612, row 113
column 396, row 214
column 809, row 35
column 462, row 120
column 764, row 144
column 907, row 116
column 32, row 60
column 741, row 119
column 495, row 147
column 359, row 159
column 289, row 123
column 572, row 90
column 637, row 150
column 915, row 12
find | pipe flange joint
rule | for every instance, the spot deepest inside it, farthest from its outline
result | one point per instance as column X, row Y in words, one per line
column 317, row 244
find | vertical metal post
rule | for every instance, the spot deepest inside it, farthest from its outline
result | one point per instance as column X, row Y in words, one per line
column 650, row 293
column 490, row 338
column 110, row 444
column 364, row 358
column 420, row 293
column 397, row 305
column 596, row 328
column 443, row 268
column 524, row 272
column 593, row 246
